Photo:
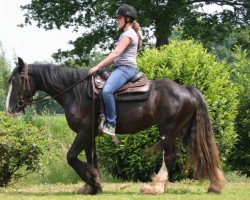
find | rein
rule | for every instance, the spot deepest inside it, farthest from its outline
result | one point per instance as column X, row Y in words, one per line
column 21, row 103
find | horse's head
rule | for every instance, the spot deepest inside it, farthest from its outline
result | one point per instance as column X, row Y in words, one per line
column 21, row 89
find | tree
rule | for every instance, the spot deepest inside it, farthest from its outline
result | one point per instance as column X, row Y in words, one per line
column 214, row 27
column 5, row 71
column 225, row 49
column 157, row 17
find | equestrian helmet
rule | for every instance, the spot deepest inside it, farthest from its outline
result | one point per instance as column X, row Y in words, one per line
column 127, row 11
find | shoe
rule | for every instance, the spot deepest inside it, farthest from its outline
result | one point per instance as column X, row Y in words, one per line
column 109, row 129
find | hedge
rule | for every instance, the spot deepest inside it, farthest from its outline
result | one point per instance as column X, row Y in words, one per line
column 187, row 63
column 19, row 150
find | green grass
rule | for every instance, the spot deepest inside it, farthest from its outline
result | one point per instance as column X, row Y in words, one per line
column 58, row 138
column 186, row 190
column 58, row 181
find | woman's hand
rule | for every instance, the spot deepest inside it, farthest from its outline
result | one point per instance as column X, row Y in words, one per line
column 92, row 70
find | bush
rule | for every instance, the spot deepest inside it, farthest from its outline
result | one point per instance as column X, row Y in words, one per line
column 19, row 152
column 187, row 63
column 128, row 161
column 239, row 158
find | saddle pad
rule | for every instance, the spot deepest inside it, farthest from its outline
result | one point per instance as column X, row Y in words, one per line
column 132, row 96
column 99, row 83
column 141, row 85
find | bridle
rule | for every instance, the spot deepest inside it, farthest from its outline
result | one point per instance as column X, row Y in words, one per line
column 26, row 86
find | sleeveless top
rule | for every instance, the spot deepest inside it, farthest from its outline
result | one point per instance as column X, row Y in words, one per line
column 128, row 56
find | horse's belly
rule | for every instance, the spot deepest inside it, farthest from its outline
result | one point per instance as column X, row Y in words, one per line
column 135, row 116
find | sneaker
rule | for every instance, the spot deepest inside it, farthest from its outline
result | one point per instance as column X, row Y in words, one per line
column 109, row 129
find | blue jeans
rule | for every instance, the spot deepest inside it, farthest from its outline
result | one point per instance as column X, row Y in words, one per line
column 120, row 76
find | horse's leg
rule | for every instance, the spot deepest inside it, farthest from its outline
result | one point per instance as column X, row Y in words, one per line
column 159, row 181
column 91, row 159
column 85, row 170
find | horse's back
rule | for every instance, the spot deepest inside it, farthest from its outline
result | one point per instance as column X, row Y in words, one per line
column 172, row 90
column 167, row 99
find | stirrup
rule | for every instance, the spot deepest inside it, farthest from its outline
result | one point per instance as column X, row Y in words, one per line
column 115, row 140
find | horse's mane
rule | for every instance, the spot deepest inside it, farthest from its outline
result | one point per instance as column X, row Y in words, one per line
column 58, row 77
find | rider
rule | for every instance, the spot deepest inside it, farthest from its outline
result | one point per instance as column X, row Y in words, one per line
column 124, row 60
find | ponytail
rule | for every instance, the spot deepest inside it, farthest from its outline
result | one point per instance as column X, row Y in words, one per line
column 136, row 27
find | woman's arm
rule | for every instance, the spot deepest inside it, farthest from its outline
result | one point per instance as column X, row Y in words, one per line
column 121, row 46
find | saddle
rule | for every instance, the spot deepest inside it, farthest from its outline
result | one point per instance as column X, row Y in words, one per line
column 135, row 90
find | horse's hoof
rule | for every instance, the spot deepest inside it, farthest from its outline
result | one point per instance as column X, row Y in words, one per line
column 217, row 183
column 214, row 190
column 86, row 189
column 152, row 190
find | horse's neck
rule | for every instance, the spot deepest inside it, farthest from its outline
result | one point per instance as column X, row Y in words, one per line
column 43, row 82
column 54, row 85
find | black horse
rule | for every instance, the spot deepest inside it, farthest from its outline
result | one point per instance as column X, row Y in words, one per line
column 175, row 109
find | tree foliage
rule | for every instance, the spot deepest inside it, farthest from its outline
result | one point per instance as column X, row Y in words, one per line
column 95, row 19
column 215, row 26
column 5, row 71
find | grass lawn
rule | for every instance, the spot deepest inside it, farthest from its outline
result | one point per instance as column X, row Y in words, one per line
column 53, row 181
column 185, row 190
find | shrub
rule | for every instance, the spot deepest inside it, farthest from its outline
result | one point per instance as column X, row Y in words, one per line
column 19, row 152
column 128, row 161
column 239, row 158
column 187, row 63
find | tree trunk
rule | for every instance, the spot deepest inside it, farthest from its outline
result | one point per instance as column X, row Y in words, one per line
column 162, row 33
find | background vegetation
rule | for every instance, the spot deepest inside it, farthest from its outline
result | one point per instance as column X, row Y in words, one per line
column 20, row 149
column 158, row 18
column 187, row 63
column 5, row 72
column 209, row 60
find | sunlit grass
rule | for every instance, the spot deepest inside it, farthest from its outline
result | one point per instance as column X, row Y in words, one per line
column 186, row 190
column 58, row 181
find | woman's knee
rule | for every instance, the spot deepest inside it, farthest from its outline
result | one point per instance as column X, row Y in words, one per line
column 106, row 92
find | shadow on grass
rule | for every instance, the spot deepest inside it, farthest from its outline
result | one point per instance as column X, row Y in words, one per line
column 58, row 194
column 16, row 193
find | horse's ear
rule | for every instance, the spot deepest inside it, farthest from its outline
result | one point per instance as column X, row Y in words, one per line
column 20, row 64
